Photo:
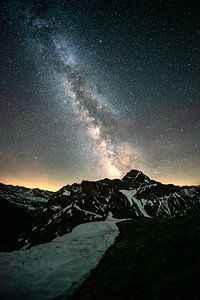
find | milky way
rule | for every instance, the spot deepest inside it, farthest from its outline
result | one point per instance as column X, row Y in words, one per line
column 116, row 156
column 91, row 89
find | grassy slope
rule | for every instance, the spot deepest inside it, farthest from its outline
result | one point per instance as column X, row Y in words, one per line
column 151, row 259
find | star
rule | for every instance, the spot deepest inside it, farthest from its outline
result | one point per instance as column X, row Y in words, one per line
column 95, row 93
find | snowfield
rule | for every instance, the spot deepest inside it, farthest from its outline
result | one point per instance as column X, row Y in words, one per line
column 140, row 204
column 55, row 269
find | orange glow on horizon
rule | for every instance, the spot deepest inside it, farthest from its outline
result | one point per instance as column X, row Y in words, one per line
column 180, row 182
column 53, row 185
column 34, row 183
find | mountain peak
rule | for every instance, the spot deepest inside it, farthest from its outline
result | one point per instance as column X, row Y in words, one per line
column 135, row 178
column 133, row 173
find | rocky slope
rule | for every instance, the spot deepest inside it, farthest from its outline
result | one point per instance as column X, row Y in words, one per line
column 151, row 259
column 30, row 217
column 19, row 207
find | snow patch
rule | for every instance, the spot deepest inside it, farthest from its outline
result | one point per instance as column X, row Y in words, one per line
column 140, row 203
column 66, row 193
column 55, row 269
column 129, row 194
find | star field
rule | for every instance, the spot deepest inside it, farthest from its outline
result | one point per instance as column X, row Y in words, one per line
column 91, row 89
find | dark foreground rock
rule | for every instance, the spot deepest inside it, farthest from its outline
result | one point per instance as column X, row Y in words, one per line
column 151, row 259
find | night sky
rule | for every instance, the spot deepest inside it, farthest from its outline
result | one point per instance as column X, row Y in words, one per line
column 91, row 89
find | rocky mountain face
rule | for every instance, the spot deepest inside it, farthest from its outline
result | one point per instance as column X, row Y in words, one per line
column 19, row 207
column 31, row 216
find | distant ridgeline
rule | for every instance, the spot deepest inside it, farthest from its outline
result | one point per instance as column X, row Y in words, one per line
column 31, row 216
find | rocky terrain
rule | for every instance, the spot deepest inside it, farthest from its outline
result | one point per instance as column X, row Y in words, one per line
column 31, row 216
column 151, row 259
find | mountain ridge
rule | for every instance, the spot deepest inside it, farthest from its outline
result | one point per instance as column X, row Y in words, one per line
column 34, row 216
